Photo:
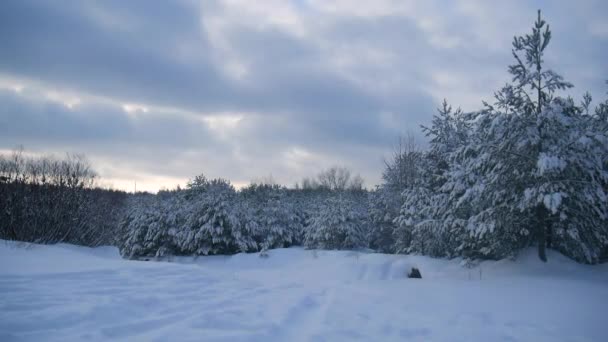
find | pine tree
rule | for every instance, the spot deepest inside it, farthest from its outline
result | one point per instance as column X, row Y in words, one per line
column 428, row 222
column 281, row 225
column 212, row 226
column 338, row 225
column 533, row 86
column 384, row 206
column 530, row 169
column 247, row 231
column 147, row 227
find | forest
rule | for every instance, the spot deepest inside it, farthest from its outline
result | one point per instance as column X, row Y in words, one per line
column 529, row 168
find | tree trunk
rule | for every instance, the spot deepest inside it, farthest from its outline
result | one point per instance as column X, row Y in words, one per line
column 542, row 253
column 541, row 227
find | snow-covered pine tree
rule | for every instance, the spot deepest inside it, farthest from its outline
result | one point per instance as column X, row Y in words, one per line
column 427, row 221
column 340, row 224
column 489, row 178
column 265, row 207
column 401, row 172
column 601, row 112
column 212, row 226
column 575, row 191
column 308, row 203
column 384, row 204
column 414, row 215
column 299, row 216
column 537, row 178
column 146, row 227
column 248, row 230
column 281, row 225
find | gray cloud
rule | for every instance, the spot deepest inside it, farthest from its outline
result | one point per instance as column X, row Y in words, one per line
column 241, row 90
column 44, row 121
column 141, row 61
column 72, row 47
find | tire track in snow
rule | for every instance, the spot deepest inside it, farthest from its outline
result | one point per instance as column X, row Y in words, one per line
column 385, row 270
column 304, row 320
column 375, row 271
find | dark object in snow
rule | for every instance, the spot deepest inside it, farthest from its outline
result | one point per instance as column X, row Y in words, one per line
column 264, row 253
column 414, row 273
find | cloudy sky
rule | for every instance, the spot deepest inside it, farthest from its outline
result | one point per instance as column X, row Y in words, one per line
column 157, row 92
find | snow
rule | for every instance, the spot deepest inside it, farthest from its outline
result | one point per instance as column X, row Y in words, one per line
column 548, row 162
column 68, row 293
column 553, row 201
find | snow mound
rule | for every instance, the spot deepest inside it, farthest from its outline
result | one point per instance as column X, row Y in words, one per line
column 67, row 293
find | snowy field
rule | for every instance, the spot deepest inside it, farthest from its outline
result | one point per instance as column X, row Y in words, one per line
column 68, row 293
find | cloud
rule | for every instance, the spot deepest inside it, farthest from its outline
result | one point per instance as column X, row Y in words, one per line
column 242, row 89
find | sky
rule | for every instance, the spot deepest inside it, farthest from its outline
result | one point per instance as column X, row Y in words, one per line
column 156, row 92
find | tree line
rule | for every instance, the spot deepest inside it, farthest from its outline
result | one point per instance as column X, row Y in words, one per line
column 48, row 200
column 528, row 169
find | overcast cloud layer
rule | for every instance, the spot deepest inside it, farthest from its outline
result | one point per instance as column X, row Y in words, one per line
column 157, row 92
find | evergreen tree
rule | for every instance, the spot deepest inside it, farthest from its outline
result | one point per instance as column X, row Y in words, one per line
column 147, row 229
column 338, row 225
column 383, row 209
column 530, row 168
column 212, row 226
column 428, row 223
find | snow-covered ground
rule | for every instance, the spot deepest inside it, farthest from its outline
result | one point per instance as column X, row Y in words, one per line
column 69, row 293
